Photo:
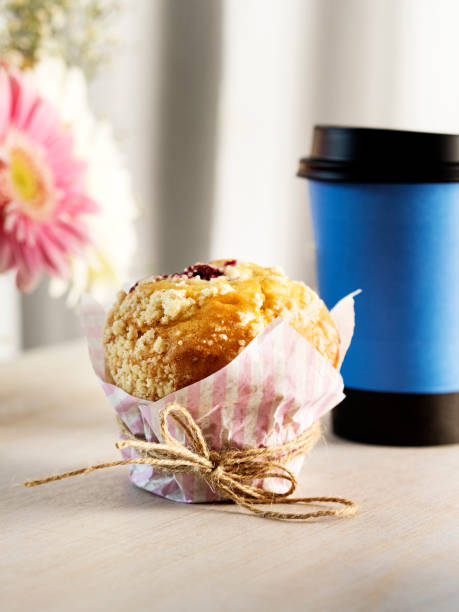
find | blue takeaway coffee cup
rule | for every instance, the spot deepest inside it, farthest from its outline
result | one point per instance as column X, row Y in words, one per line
column 385, row 212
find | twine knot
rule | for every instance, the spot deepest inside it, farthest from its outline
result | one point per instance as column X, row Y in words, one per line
column 218, row 469
column 229, row 472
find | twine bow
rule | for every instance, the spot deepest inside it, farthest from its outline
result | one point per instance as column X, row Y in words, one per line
column 229, row 472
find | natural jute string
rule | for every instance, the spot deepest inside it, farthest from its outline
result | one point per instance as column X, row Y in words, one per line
column 228, row 472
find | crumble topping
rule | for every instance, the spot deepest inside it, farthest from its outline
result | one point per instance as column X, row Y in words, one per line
column 169, row 331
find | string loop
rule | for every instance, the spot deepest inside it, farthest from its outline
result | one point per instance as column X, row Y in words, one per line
column 233, row 474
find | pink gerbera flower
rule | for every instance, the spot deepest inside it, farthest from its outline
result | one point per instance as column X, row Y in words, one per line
column 42, row 186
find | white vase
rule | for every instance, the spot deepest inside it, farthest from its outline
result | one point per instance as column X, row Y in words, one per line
column 10, row 317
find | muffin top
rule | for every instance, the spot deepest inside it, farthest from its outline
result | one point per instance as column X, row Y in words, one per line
column 169, row 331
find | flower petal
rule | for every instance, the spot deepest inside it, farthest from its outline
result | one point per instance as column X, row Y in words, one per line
column 30, row 268
column 26, row 282
column 43, row 124
column 60, row 148
column 63, row 240
column 75, row 228
column 54, row 259
column 6, row 254
column 24, row 100
column 79, row 203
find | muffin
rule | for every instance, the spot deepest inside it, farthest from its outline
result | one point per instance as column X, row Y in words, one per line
column 168, row 332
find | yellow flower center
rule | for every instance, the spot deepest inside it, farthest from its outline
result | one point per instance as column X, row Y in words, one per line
column 25, row 179
column 28, row 183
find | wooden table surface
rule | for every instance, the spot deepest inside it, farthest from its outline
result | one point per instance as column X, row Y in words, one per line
column 98, row 543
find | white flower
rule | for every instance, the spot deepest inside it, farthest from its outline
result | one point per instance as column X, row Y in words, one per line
column 106, row 263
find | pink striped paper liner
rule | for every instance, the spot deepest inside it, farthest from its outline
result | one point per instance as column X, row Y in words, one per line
column 273, row 391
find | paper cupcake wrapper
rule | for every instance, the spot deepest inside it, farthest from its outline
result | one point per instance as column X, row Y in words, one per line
column 269, row 394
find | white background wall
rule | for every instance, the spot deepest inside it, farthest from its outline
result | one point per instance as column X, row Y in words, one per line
column 214, row 102
column 10, row 318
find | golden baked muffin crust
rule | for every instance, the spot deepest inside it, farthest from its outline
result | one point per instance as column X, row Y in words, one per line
column 170, row 331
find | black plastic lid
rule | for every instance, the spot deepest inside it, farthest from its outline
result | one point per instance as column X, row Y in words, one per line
column 371, row 155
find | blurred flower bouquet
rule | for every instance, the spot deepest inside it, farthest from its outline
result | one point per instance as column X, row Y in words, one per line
column 66, row 203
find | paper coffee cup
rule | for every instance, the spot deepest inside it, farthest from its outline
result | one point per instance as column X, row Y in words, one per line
column 385, row 212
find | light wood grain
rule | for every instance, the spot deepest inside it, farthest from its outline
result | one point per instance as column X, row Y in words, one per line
column 98, row 543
